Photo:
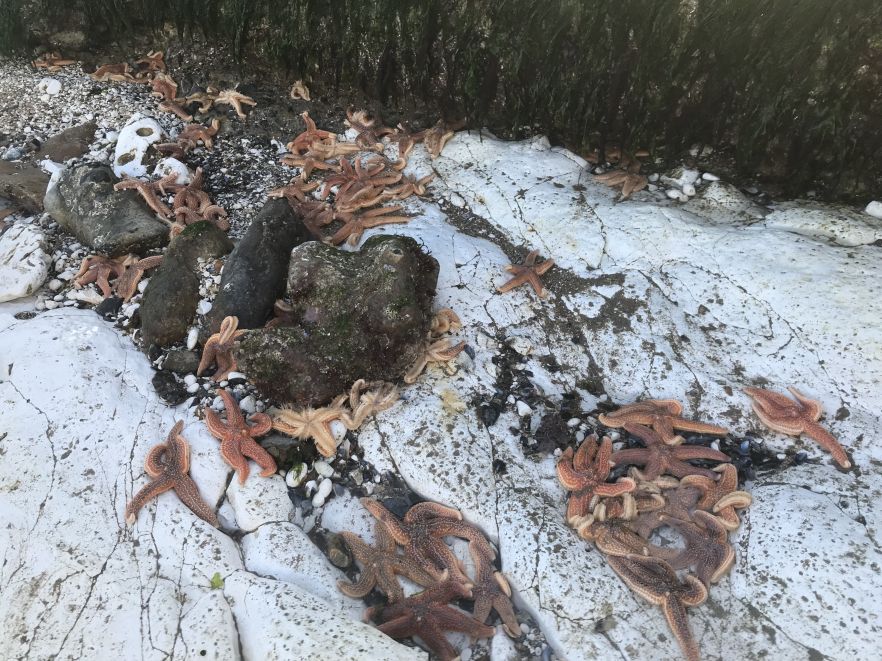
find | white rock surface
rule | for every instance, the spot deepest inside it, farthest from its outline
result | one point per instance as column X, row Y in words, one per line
column 260, row 500
column 132, row 144
column 169, row 165
column 874, row 209
column 24, row 263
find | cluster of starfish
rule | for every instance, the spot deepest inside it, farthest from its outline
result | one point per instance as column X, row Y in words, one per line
column 352, row 409
column 360, row 187
column 127, row 272
column 190, row 204
column 143, row 72
column 437, row 349
column 52, row 62
column 663, row 491
column 414, row 547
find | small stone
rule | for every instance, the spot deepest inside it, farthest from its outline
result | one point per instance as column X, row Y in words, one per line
column 193, row 388
column 522, row 345
column 51, row 305
column 523, row 408
column 295, row 476
column 573, row 422
column 49, row 86
column 653, row 177
column 323, row 468
column 689, row 190
column 672, row 193
column 323, row 491
column 192, row 338
column 874, row 209
column 247, row 404
column 237, row 377
column 55, row 284
column 707, row 176
column 204, row 307
column 12, row 154
column 190, row 379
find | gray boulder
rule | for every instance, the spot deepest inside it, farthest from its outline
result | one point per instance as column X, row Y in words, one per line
column 172, row 294
column 25, row 185
column 110, row 222
column 70, row 143
column 356, row 315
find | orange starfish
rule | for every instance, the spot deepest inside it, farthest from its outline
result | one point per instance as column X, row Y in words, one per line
column 127, row 283
column 169, row 464
column 218, row 349
column 237, row 437
column 99, row 269
column 664, row 417
column 528, row 272
column 780, row 413
column 235, row 99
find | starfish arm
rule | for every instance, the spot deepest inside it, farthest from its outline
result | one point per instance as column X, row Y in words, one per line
column 428, row 510
column 261, row 424
column 452, row 619
column 622, row 486
column 734, row 500
column 678, row 621
column 416, row 369
column 235, row 419
column 812, row 407
column 681, row 469
column 153, row 461
column 637, row 456
column 569, row 477
column 398, row 627
column 700, row 452
column 390, row 521
column 536, row 284
column 502, row 605
column 209, row 351
column 216, row 427
column 324, row 440
column 187, row 491
column 827, row 441
column 789, row 426
column 231, row 454
column 365, row 583
column 516, row 281
column 578, row 507
column 602, row 457
column 147, row 493
column 104, row 284
column 698, row 427
column 253, row 450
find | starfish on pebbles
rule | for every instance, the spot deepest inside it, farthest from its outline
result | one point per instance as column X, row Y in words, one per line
column 527, row 273
column 218, row 349
column 657, row 582
column 52, row 62
column 628, row 179
column 781, row 414
column 168, row 464
column 584, row 473
column 237, row 437
column 439, row 135
column 235, row 99
column 658, row 458
column 439, row 351
column 663, row 415
column 99, row 269
column 127, row 283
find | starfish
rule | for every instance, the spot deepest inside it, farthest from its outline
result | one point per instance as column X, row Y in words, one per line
column 664, row 417
column 369, row 134
column 98, row 269
column 204, row 99
column 117, row 72
column 353, row 179
column 406, row 139
column 370, row 402
column 720, row 496
column 628, row 179
column 528, row 272
column 314, row 214
column 146, row 189
column 169, row 464
column 237, row 437
column 584, row 473
column 428, row 616
column 169, row 105
column 380, row 565
column 299, row 91
column 218, row 349
column 491, row 591
column 355, row 224
column 435, row 352
column 780, row 413
column 615, row 538
column 655, row 580
column 659, row 458
column 235, row 99
column 312, row 423
column 439, row 135
column 307, row 163
column 304, row 141
column 707, row 547
column 193, row 133
column 295, row 190
column 52, row 62
column 422, row 530
column 679, row 502
column 127, row 283
column 153, row 61
column 445, row 321
column 408, row 187
column 164, row 87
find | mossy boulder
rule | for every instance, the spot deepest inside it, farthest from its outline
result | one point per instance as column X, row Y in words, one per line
column 356, row 315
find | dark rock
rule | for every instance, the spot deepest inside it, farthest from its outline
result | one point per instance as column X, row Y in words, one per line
column 169, row 389
column 181, row 361
column 336, row 551
column 25, row 185
column 287, row 451
column 109, row 307
column 172, row 294
column 359, row 315
column 70, row 143
column 255, row 273
column 111, row 222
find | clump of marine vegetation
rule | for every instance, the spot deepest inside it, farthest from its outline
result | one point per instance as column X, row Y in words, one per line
column 792, row 90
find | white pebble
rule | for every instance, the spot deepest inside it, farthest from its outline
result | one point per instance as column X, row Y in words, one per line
column 143, row 285
column 55, row 284
column 874, row 209
column 580, row 436
column 653, row 177
column 707, row 176
column 573, row 422
column 323, row 468
column 190, row 379
column 204, row 307
column 247, row 404
column 323, row 492
column 236, row 375
column 523, row 408
column 672, row 193
column 217, row 404
column 295, row 475
column 51, row 305
column 192, row 338
column 40, row 304
column 689, row 190
column 193, row 388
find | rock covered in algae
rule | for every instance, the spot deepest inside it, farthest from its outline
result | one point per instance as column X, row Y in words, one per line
column 355, row 315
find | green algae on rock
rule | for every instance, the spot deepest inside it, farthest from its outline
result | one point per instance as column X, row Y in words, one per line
column 356, row 315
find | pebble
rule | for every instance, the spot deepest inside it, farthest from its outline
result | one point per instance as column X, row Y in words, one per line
column 192, row 338
column 522, row 345
column 247, row 404
column 322, row 493
column 236, row 376
column 580, row 436
column 707, row 176
column 190, row 379
column 55, row 284
column 781, row 456
column 193, row 388
column 323, row 468
column 689, row 190
column 12, row 154
column 523, row 408
column 573, row 422
column 672, row 193
column 51, row 305
column 874, row 209
column 204, row 307
column 653, row 177
column 295, row 476
column 49, row 86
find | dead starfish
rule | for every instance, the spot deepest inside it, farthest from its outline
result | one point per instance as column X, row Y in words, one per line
column 168, row 464
column 353, row 179
column 655, row 580
column 422, row 531
column 407, row 187
column 445, row 321
column 663, row 415
column 237, row 437
column 780, row 413
column 153, row 61
column 172, row 106
column 304, row 141
column 127, row 283
column 146, row 189
column 117, row 72
column 99, row 269
column 52, row 62
column 706, row 549
column 406, row 139
column 428, row 615
column 435, row 352
column 369, row 134
column 235, row 99
column 528, row 272
column 439, row 135
column 307, row 163
column 660, row 458
column 299, row 90
column 720, row 496
column 491, row 591
column 164, row 87
column 615, row 538
column 295, row 191
column 355, row 224
column 312, row 423
column 193, row 133
column 628, row 179
column 380, row 566
column 218, row 349
column 584, row 473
